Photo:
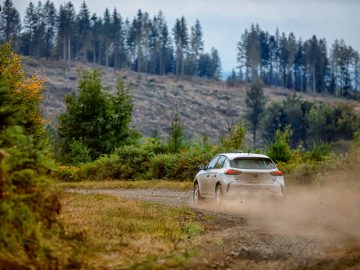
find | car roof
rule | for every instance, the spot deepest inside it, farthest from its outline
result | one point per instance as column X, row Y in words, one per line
column 232, row 156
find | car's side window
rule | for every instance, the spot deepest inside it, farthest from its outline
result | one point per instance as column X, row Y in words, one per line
column 212, row 163
column 219, row 164
column 226, row 163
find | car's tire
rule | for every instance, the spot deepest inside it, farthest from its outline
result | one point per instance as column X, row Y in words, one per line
column 219, row 195
column 196, row 194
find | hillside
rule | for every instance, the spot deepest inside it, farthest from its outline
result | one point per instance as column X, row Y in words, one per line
column 203, row 104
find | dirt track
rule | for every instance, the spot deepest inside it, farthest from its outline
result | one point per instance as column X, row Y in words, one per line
column 312, row 229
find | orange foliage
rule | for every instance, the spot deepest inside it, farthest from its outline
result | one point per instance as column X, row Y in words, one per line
column 26, row 90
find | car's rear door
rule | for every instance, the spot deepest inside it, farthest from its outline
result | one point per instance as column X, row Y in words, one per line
column 215, row 174
column 206, row 177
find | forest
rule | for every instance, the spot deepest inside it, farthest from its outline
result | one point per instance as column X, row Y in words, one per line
column 307, row 66
column 143, row 44
column 149, row 45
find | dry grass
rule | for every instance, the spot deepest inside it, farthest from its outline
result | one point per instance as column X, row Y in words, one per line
column 108, row 232
column 175, row 185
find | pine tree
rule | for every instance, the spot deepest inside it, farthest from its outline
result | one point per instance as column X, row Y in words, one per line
column 139, row 41
column 118, row 38
column 9, row 22
column 94, row 119
column 120, row 114
column 253, row 52
column 96, row 29
column 66, row 27
column 181, row 38
column 83, row 32
column 299, row 68
column 317, row 63
column 105, row 38
column 255, row 104
column 166, row 49
column 50, row 28
column 30, row 25
column 196, row 47
column 241, row 54
column 176, row 139
column 264, row 55
column 215, row 72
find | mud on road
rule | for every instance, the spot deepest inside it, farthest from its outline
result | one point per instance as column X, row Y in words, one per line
column 314, row 228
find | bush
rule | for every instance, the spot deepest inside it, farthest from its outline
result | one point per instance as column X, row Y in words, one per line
column 318, row 152
column 235, row 137
column 181, row 166
column 28, row 207
column 79, row 152
column 280, row 149
column 140, row 162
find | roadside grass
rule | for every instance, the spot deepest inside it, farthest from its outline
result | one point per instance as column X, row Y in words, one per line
column 107, row 232
column 123, row 184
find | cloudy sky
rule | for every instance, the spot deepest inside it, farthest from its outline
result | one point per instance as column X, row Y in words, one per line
column 224, row 21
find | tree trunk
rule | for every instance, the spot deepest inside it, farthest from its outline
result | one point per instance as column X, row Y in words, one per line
column 254, row 138
column 94, row 54
column 64, row 49
column 69, row 49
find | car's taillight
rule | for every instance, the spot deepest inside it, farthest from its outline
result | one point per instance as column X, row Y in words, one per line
column 276, row 173
column 232, row 172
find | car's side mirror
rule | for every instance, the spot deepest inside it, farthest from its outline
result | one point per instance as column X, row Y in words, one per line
column 202, row 167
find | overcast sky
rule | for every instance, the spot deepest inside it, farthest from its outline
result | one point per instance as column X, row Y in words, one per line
column 224, row 21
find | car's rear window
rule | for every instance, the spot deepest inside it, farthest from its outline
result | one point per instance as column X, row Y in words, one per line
column 253, row 163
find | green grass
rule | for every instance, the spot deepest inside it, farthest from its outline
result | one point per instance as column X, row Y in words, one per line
column 175, row 185
column 109, row 232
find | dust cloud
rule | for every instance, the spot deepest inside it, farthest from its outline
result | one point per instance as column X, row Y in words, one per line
column 329, row 211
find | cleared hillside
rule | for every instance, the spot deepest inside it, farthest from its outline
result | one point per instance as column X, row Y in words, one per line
column 203, row 104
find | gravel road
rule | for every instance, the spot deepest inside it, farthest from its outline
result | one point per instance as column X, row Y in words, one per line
column 311, row 229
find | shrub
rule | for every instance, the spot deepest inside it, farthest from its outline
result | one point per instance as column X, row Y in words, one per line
column 280, row 149
column 28, row 207
column 181, row 166
column 319, row 151
column 134, row 162
column 235, row 137
column 79, row 152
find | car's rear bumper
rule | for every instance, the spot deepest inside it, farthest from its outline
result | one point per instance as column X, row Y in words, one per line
column 237, row 190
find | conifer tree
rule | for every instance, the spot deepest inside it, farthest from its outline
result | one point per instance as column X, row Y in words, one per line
column 118, row 38
column 196, row 47
column 50, row 18
column 83, row 32
column 94, row 119
column 9, row 22
column 255, row 103
column 181, row 38
column 176, row 139
column 66, row 27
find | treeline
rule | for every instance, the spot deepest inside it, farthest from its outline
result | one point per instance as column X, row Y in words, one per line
column 143, row 44
column 307, row 66
column 308, row 122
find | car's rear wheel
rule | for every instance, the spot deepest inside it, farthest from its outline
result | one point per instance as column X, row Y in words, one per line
column 219, row 196
column 196, row 194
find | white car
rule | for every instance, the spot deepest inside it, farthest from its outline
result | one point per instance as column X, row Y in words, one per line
column 236, row 175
